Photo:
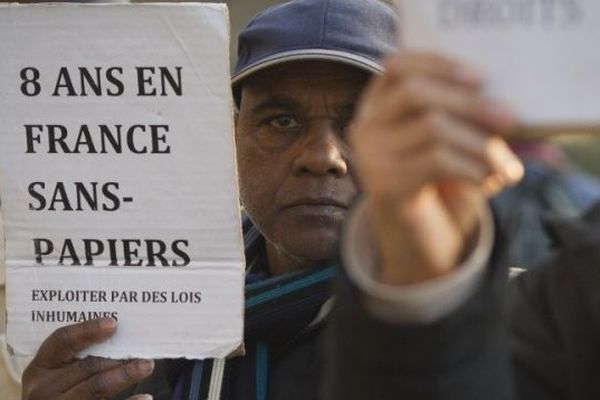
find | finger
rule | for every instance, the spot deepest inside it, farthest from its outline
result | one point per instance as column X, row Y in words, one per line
column 443, row 163
column 492, row 186
column 85, row 368
column 430, row 66
column 113, row 381
column 141, row 397
column 417, row 96
column 443, row 129
column 437, row 164
column 505, row 162
column 429, row 130
column 440, row 129
column 397, row 72
column 62, row 346
column 463, row 201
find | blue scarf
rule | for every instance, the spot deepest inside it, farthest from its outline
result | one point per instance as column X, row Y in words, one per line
column 280, row 311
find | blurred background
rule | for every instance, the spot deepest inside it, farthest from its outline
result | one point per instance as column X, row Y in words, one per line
column 568, row 153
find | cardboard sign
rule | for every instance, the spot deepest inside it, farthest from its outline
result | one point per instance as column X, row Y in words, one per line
column 538, row 55
column 119, row 186
column 2, row 263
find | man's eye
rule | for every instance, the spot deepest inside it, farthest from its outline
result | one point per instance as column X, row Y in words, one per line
column 284, row 122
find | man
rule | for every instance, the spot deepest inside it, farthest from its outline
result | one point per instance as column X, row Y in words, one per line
column 303, row 151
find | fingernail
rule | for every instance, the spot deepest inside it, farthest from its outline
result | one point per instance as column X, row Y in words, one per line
column 108, row 324
column 145, row 365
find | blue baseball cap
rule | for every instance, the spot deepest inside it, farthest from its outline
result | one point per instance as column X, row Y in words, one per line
column 352, row 32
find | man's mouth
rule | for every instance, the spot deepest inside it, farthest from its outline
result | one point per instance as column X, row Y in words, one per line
column 317, row 202
column 321, row 207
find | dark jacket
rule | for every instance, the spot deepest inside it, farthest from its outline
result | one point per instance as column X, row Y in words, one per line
column 555, row 317
column 550, row 351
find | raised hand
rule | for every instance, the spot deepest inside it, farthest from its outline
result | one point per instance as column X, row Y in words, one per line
column 429, row 149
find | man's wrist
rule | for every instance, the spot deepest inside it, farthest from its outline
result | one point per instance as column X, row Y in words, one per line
column 413, row 303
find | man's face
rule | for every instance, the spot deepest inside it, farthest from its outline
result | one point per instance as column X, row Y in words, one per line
column 295, row 177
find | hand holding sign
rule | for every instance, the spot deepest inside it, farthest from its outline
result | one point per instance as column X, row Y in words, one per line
column 57, row 373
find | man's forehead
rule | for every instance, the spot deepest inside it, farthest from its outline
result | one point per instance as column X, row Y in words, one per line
column 299, row 79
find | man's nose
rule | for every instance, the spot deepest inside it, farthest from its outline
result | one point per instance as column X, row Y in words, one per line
column 323, row 152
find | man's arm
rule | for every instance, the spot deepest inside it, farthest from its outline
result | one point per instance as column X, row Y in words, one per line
column 427, row 155
column 420, row 303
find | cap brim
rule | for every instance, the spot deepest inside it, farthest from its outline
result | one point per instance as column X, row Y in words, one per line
column 342, row 57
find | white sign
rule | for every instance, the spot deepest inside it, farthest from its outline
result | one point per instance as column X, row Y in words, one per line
column 538, row 55
column 2, row 267
column 119, row 192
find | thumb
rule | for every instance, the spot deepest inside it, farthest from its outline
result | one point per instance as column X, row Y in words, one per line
column 141, row 397
column 464, row 203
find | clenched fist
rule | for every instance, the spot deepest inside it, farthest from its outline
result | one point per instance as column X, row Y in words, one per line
column 429, row 149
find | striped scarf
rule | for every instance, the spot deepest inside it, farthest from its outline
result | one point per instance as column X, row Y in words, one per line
column 279, row 311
